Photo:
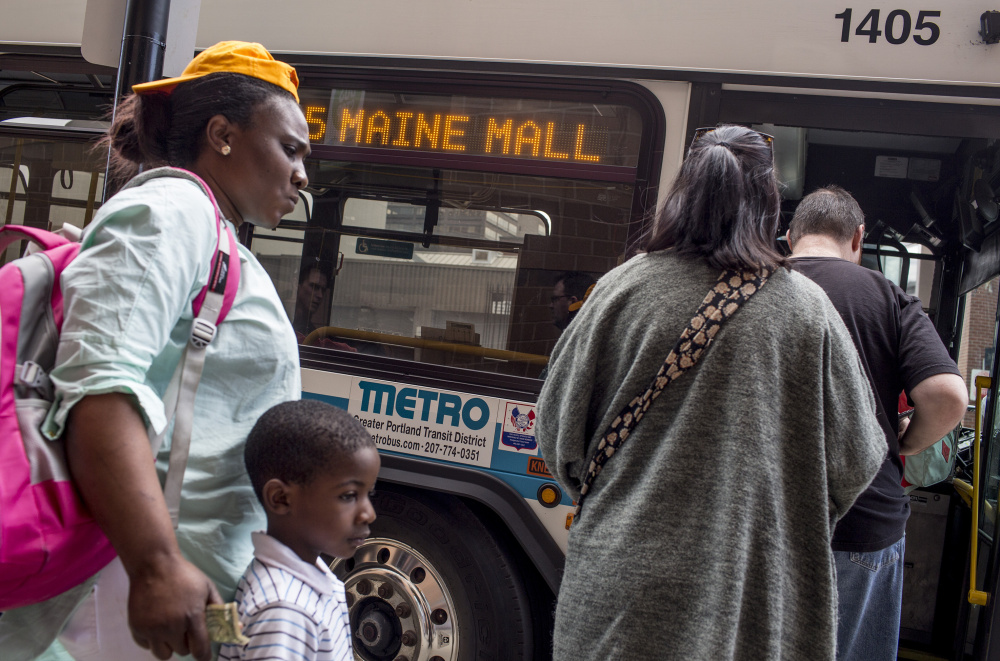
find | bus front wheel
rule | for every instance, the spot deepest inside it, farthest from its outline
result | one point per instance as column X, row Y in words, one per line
column 432, row 583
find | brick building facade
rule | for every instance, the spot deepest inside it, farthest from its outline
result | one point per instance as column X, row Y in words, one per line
column 978, row 334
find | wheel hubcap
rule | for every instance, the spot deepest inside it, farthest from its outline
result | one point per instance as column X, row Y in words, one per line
column 400, row 607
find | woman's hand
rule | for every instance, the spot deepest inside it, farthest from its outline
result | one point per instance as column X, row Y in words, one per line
column 166, row 606
column 112, row 465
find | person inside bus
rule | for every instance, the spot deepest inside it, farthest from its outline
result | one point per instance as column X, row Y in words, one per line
column 312, row 289
column 568, row 293
column 899, row 349
column 233, row 119
column 313, row 285
column 706, row 534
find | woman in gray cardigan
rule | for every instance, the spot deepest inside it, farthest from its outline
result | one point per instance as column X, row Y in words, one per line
column 707, row 533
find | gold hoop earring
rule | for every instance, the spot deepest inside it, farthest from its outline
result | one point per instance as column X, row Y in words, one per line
column 226, row 149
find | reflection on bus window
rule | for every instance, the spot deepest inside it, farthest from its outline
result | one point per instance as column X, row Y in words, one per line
column 903, row 266
column 442, row 293
column 48, row 183
column 461, row 277
column 498, row 225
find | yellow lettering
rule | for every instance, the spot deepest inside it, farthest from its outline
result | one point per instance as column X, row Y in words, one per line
column 494, row 132
column 550, row 129
column 357, row 123
column 578, row 154
column 424, row 130
column 382, row 128
column 401, row 140
column 534, row 139
column 312, row 118
column 453, row 132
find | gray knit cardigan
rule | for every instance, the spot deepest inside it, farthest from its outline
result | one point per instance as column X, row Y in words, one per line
column 707, row 535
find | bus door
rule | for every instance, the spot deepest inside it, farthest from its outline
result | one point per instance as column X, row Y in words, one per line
column 925, row 175
column 982, row 577
column 971, row 562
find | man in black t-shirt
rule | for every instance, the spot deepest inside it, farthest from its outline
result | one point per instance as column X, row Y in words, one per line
column 900, row 350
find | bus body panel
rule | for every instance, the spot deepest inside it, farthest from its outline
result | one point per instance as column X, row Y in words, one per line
column 504, row 447
column 935, row 42
column 675, row 98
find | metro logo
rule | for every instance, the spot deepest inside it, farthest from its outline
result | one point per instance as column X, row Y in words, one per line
column 409, row 403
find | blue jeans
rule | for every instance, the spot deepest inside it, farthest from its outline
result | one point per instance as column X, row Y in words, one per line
column 870, row 597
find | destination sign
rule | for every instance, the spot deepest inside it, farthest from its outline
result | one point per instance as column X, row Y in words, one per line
column 473, row 126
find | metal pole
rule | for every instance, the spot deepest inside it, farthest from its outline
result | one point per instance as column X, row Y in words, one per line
column 144, row 42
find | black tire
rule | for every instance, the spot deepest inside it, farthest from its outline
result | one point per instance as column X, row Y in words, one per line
column 461, row 561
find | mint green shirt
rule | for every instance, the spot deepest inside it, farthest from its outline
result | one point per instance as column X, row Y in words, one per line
column 128, row 316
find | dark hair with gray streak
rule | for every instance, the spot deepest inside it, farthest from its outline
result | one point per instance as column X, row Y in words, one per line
column 830, row 211
column 296, row 441
column 724, row 204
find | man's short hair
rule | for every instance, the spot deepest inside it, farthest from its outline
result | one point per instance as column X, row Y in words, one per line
column 308, row 271
column 296, row 441
column 575, row 283
column 830, row 211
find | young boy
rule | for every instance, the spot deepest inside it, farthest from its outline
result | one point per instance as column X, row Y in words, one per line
column 312, row 466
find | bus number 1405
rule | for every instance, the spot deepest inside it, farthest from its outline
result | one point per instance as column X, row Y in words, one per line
column 897, row 27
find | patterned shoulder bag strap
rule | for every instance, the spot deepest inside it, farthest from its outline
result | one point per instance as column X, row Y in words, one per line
column 731, row 291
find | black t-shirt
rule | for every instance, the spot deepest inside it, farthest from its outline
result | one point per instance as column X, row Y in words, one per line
column 899, row 348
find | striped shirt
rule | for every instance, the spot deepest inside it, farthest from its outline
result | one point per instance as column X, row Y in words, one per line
column 290, row 610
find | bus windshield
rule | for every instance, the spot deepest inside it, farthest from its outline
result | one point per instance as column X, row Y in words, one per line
column 408, row 256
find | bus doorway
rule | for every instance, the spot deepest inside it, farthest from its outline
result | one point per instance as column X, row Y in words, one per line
column 926, row 177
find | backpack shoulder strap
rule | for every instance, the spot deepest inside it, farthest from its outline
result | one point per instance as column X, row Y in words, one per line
column 225, row 269
column 210, row 308
column 731, row 291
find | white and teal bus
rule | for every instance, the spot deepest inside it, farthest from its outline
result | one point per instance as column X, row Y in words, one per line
column 465, row 155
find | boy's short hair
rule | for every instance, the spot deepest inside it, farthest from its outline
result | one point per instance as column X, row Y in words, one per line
column 296, row 441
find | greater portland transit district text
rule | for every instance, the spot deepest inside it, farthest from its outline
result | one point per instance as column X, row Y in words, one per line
column 448, row 449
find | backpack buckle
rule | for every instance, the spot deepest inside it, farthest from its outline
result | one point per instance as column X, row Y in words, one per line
column 202, row 333
column 32, row 375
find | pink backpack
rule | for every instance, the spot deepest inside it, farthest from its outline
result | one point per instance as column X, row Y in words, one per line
column 48, row 540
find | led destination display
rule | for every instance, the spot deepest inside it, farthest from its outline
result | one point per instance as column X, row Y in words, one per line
column 570, row 133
